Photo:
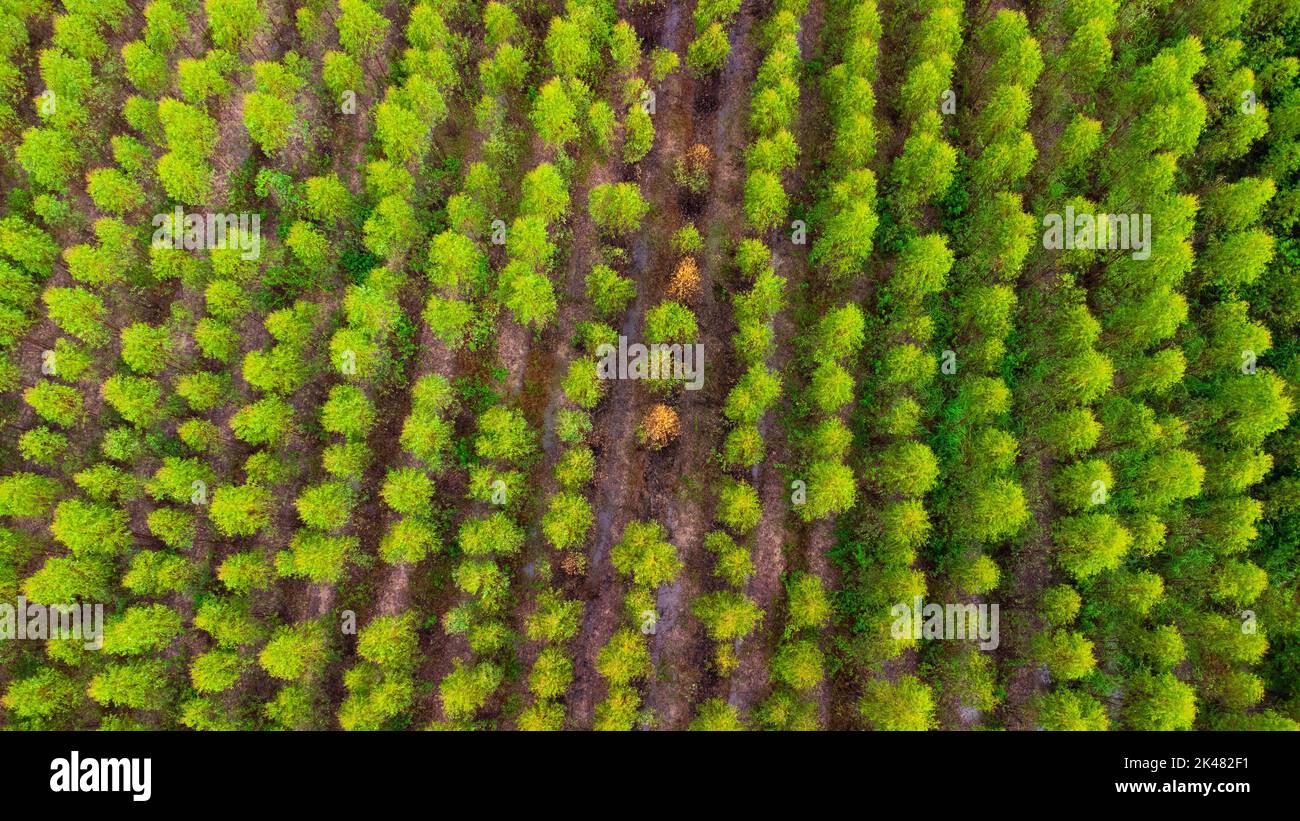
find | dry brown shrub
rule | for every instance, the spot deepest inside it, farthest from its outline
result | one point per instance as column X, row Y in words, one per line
column 574, row 563
column 691, row 170
column 685, row 284
column 659, row 427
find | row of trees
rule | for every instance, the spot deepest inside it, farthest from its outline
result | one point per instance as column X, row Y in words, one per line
column 16, row 19
column 456, row 266
column 729, row 615
column 647, row 560
column 26, row 251
column 367, row 350
column 89, row 571
column 1232, row 407
column 225, row 283
column 569, row 516
column 1273, row 300
column 983, row 503
column 845, row 216
column 1141, row 307
column 1064, row 398
column 902, row 469
column 505, row 446
column 54, row 153
column 709, row 49
column 321, row 548
column 146, row 404
column 1163, row 587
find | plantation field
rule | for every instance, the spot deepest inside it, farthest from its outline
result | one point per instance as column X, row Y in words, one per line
column 651, row 364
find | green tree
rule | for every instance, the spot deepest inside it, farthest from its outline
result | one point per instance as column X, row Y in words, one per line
column 995, row 509
column 504, row 435
column 141, row 629
column 408, row 490
column 670, row 322
column 845, row 242
column 727, row 615
column 554, row 114
column 139, row 400
column 1089, row 543
column 216, row 671
column 467, row 688
column 136, row 685
column 42, row 695
column 624, row 658
column 1070, row 710
column 318, row 557
column 551, row 674
column 609, row 293
column 173, row 528
column 739, row 507
column 645, row 554
column 493, row 534
column 240, row 510
column 145, row 348
column 568, row 46
column 50, row 157
column 267, row 421
column 529, row 294
column 708, row 51
column 232, row 25
column 361, row 28
column 555, row 619
column 294, row 651
column 348, row 411
column 906, row 704
column 832, row 489
column 59, row 404
column 309, row 246
column 567, row 521
column 410, row 540
column 178, row 479
column 1067, row 655
column 909, row 468
column 65, row 579
column 327, row 198
column 617, row 208
column 79, row 313
column 389, row 641
column 799, row 664
column 1159, row 702
column 638, row 134
column 765, row 200
column 204, row 390
column 924, row 169
column 809, row 605
column 113, row 191
column 228, row 621
column 246, row 572
column 89, row 528
column 391, row 228
column 326, row 506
